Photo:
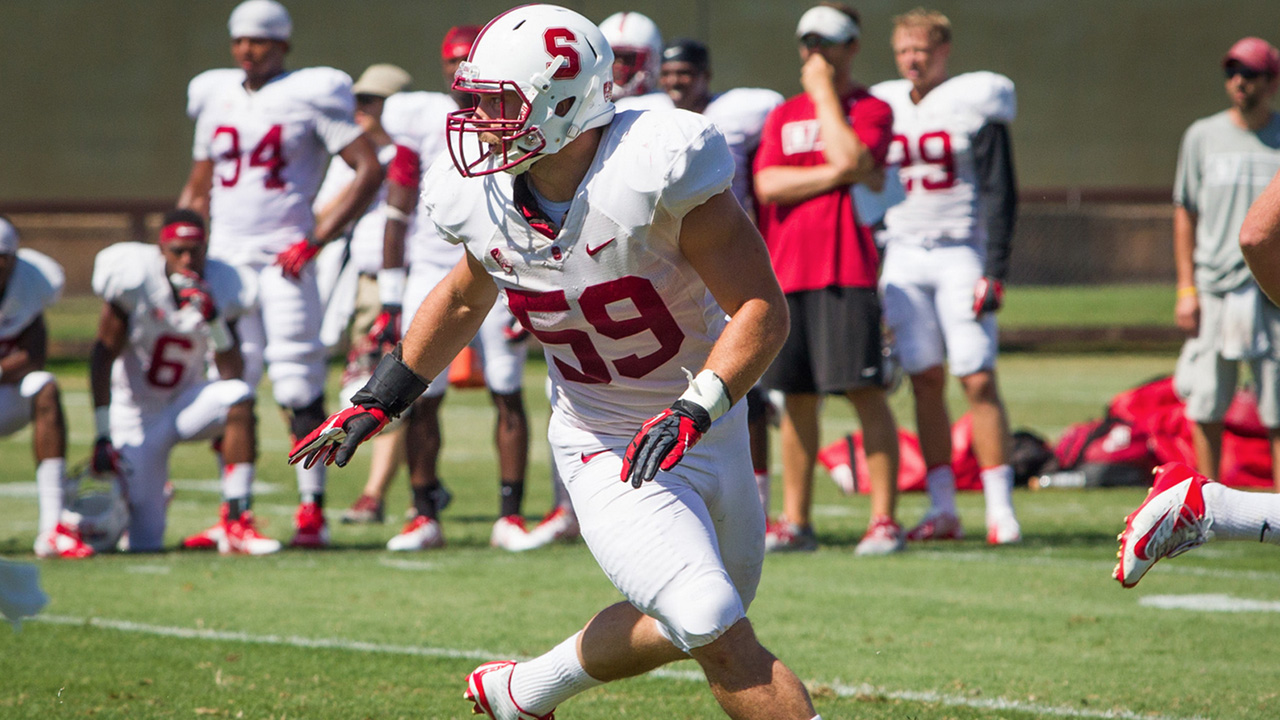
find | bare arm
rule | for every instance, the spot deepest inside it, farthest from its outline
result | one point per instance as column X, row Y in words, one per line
column 1186, row 309
column 449, row 317
column 1260, row 239
column 348, row 206
column 28, row 354
column 113, row 331
column 195, row 194
column 401, row 198
column 230, row 362
column 726, row 250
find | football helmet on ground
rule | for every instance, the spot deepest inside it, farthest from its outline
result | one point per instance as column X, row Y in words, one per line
column 555, row 64
column 96, row 508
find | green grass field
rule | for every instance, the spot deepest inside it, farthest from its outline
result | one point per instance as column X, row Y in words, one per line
column 952, row 631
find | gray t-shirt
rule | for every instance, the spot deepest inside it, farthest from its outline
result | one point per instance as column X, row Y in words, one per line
column 1222, row 168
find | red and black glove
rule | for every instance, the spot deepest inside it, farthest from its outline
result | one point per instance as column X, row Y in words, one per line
column 296, row 256
column 385, row 332
column 988, row 296
column 515, row 332
column 106, row 459
column 662, row 441
column 191, row 289
column 392, row 389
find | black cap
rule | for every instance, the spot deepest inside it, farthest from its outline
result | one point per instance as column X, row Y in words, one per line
column 688, row 50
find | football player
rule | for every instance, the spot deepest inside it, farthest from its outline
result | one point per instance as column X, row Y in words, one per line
column 616, row 242
column 637, row 53
column 263, row 138
column 946, row 257
column 29, row 283
column 417, row 120
column 164, row 310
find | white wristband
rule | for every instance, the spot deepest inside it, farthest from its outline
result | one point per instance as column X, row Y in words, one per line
column 102, row 421
column 220, row 335
column 396, row 214
column 708, row 391
column 391, row 283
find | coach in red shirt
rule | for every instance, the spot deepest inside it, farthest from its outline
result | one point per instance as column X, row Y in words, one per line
column 815, row 146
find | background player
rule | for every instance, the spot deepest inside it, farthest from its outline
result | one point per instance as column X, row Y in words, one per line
column 946, row 257
column 622, row 251
column 165, row 309
column 813, row 148
column 29, row 283
column 637, row 53
column 417, row 121
column 263, row 138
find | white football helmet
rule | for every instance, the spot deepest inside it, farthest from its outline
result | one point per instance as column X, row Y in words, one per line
column 97, row 508
column 637, row 52
column 559, row 68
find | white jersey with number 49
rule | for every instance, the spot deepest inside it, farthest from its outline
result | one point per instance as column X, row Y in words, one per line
column 617, row 308
column 269, row 149
column 933, row 151
column 167, row 349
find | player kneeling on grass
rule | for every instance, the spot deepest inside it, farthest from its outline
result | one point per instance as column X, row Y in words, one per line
column 615, row 241
column 164, row 310
column 29, row 283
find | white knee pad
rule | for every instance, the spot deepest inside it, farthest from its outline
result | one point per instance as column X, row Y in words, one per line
column 231, row 392
column 698, row 612
column 34, row 382
column 295, row 384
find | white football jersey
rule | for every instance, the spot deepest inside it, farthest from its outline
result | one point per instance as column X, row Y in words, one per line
column 168, row 349
column 416, row 120
column 740, row 115
column 36, row 284
column 269, row 150
column 366, row 235
column 933, row 150
column 617, row 308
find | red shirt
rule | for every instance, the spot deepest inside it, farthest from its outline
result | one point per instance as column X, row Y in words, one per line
column 819, row 242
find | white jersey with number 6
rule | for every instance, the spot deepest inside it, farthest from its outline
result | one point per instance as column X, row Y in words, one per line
column 617, row 308
column 933, row 150
column 168, row 349
column 269, row 149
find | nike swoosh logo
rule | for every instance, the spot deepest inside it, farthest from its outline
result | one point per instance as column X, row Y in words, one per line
column 591, row 251
column 586, row 457
column 1262, row 536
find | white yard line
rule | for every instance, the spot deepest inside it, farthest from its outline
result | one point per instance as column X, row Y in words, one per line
column 1209, row 603
column 842, row 690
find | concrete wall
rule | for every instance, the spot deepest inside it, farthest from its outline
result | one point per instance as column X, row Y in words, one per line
column 96, row 88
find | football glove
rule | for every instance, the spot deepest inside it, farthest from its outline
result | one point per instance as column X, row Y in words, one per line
column 392, row 389
column 385, row 332
column 192, row 290
column 514, row 332
column 662, row 441
column 988, row 296
column 296, row 256
column 106, row 459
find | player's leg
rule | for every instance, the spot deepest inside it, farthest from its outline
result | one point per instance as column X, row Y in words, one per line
column 144, row 442
column 35, row 400
column 1207, row 382
column 791, row 373
column 386, row 456
column 759, row 410
column 848, row 357
column 295, row 359
column 504, row 361
column 422, row 453
column 560, row 522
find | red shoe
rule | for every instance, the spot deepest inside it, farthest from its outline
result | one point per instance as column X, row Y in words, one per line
column 884, row 537
column 937, row 526
column 209, row 539
column 782, row 535
column 1172, row 520
column 63, row 542
column 312, row 528
column 365, row 510
column 242, row 538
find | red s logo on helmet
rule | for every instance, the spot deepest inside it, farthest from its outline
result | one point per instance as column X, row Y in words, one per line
column 556, row 41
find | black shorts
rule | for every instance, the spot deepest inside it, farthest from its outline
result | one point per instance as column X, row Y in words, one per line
column 835, row 343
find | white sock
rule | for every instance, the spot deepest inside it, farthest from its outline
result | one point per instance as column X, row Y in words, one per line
column 941, row 484
column 237, row 479
column 997, row 488
column 310, row 481
column 762, row 488
column 1239, row 515
column 49, row 490
column 544, row 682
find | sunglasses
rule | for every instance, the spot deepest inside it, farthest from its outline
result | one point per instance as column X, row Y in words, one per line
column 1247, row 73
column 813, row 42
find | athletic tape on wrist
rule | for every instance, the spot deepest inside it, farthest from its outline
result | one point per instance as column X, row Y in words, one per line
column 709, row 392
column 102, row 421
column 391, row 282
column 393, row 387
column 396, row 214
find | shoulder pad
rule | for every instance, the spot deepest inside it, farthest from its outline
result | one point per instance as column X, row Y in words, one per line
column 446, row 197
column 409, row 116
column 205, row 85
column 989, row 94
column 324, row 88
column 49, row 270
column 121, row 269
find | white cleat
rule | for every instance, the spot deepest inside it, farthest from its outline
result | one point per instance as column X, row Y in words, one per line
column 559, row 524
column 1172, row 520
column 420, row 533
column 62, row 542
column 489, row 687
column 1003, row 529
column 509, row 534
column 883, row 537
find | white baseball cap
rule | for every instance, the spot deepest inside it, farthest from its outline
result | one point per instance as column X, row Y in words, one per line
column 827, row 22
column 8, row 238
column 260, row 19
